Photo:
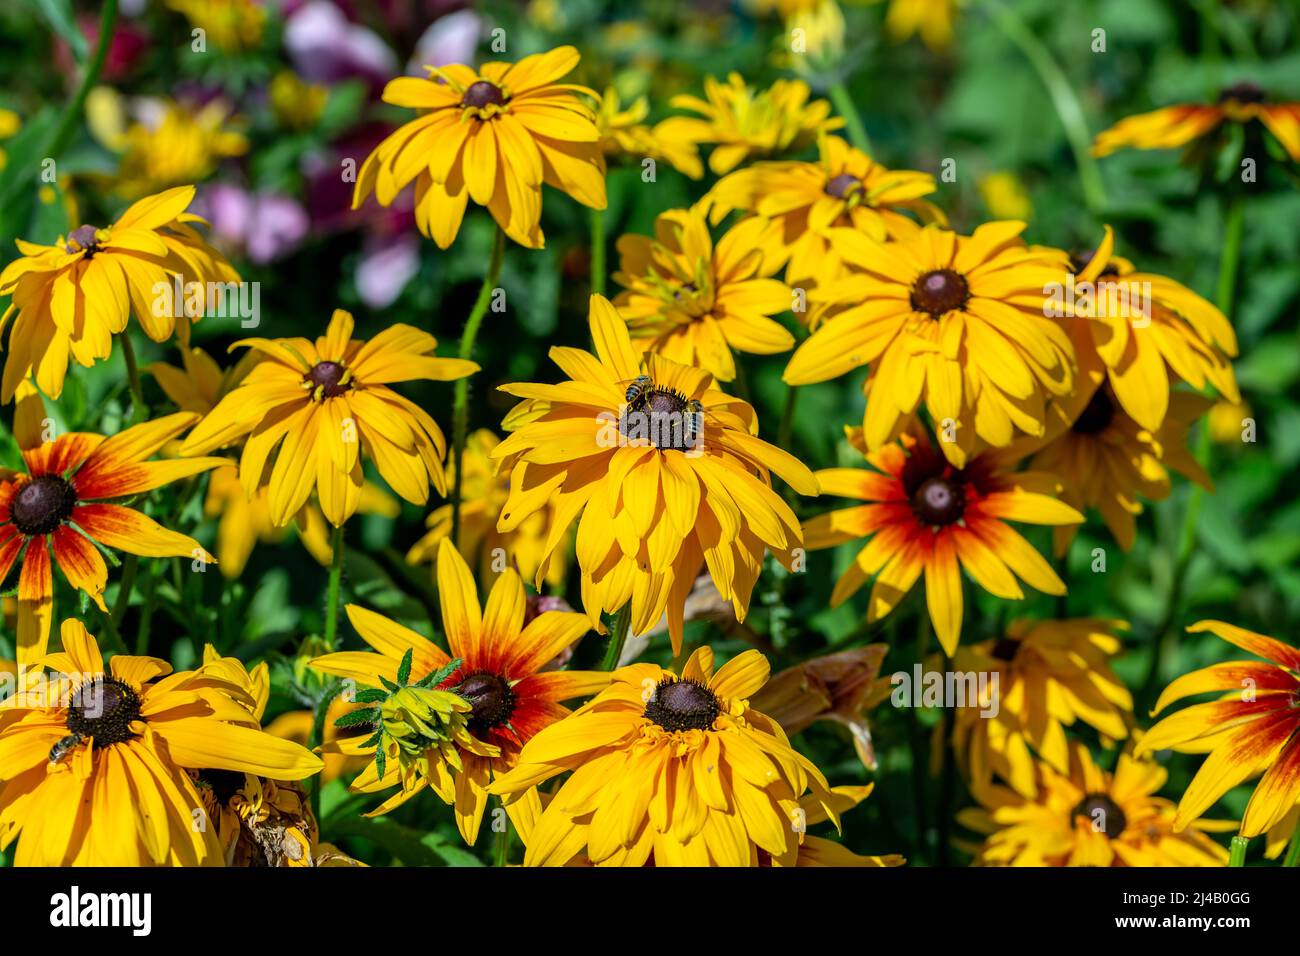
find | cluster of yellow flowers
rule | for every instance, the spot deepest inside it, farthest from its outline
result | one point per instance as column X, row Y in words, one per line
column 984, row 353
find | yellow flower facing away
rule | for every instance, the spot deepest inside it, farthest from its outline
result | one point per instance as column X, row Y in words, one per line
column 324, row 405
column 232, row 25
column 844, row 188
column 483, row 495
column 10, row 124
column 1248, row 730
column 1088, row 817
column 955, row 323
column 98, row 762
column 663, row 473
column 495, row 136
column 925, row 516
column 69, row 299
column 623, row 133
column 1231, row 423
column 695, row 302
column 492, row 685
column 742, row 123
column 932, row 20
column 296, row 103
column 1108, row 462
column 1050, row 675
column 1172, row 126
column 244, row 522
column 678, row 767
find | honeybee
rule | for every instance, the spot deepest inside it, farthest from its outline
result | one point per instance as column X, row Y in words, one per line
column 638, row 388
column 63, row 747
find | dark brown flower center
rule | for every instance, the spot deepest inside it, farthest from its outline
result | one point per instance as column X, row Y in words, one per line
column 42, row 504
column 1241, row 93
column 490, row 696
column 1080, row 258
column 104, row 709
column 1004, row 649
column 683, row 705
column 82, row 238
column 224, row 783
column 328, row 380
column 939, row 501
column 940, row 291
column 662, row 416
column 481, row 93
column 840, row 186
column 1102, row 813
column 1096, row 416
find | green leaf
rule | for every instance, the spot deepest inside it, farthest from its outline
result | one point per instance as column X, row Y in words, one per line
column 434, row 678
column 368, row 717
column 61, row 20
column 404, row 668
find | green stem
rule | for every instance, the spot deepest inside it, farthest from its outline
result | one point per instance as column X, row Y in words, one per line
column 617, row 636
column 1293, row 850
column 139, row 412
column 460, row 408
column 1063, row 99
column 317, row 736
column 68, row 121
column 598, row 252
column 503, row 843
column 146, row 615
column 1237, row 854
column 335, row 588
column 845, row 106
column 125, row 586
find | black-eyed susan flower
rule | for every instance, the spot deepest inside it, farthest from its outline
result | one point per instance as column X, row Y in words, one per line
column 483, row 495
column 743, row 123
column 1051, row 675
column 244, row 522
column 663, row 473
column 1088, row 817
column 1172, row 126
column 925, row 516
column 680, row 767
column 695, row 302
column 1109, row 462
column 957, row 323
column 495, row 674
column 931, row 20
column 96, row 761
column 1247, row 731
column 625, row 134
column 61, row 513
column 844, row 188
column 71, row 298
column 324, row 405
column 177, row 142
column 1147, row 331
column 494, row 136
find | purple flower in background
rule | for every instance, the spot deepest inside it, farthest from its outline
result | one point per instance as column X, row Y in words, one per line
column 325, row 47
column 449, row 39
column 266, row 226
column 387, row 264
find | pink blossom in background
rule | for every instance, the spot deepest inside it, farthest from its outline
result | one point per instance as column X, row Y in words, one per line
column 387, row 264
column 265, row 226
column 326, row 47
column 450, row 39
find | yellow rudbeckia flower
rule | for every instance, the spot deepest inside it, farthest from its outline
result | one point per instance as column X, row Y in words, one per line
column 71, row 298
column 663, row 473
column 96, row 761
column 494, row 136
column 648, row 738
column 695, row 302
column 326, row 403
